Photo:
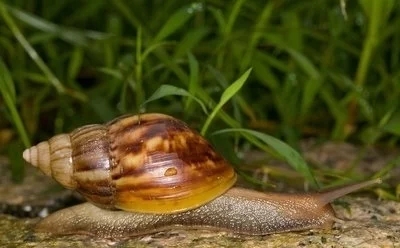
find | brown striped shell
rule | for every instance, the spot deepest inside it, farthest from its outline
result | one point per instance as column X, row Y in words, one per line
column 149, row 163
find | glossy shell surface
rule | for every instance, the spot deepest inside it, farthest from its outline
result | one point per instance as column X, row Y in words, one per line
column 150, row 163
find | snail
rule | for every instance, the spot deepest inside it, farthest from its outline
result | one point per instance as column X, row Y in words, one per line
column 147, row 173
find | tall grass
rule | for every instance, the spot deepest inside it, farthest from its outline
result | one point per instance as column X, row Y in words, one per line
column 315, row 71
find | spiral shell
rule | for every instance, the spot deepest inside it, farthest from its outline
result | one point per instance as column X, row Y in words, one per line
column 151, row 163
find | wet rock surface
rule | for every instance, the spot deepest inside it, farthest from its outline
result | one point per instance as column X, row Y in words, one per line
column 38, row 195
column 364, row 221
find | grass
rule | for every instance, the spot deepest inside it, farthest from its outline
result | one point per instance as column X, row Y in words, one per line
column 324, row 69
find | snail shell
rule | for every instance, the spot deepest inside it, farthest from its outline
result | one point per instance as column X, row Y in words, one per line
column 150, row 163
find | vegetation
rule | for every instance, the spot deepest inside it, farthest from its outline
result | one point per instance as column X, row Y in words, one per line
column 324, row 69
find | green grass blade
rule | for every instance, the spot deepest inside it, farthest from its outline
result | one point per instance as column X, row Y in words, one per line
column 392, row 125
column 291, row 156
column 152, row 48
column 310, row 92
column 35, row 56
column 68, row 34
column 125, row 12
column 176, row 21
column 10, row 101
column 261, row 24
column 6, row 83
column 193, row 79
column 75, row 63
column 169, row 90
column 138, row 89
column 219, row 18
column 237, row 6
column 226, row 95
column 190, row 41
column 304, row 63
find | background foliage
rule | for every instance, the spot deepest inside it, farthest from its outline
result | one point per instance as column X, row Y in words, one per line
column 324, row 69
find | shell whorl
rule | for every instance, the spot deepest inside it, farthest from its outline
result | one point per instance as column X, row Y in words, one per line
column 53, row 157
column 150, row 163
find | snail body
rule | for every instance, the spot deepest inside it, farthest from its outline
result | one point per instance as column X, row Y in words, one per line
column 239, row 211
column 163, row 175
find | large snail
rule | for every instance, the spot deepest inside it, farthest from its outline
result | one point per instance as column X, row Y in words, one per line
column 163, row 175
